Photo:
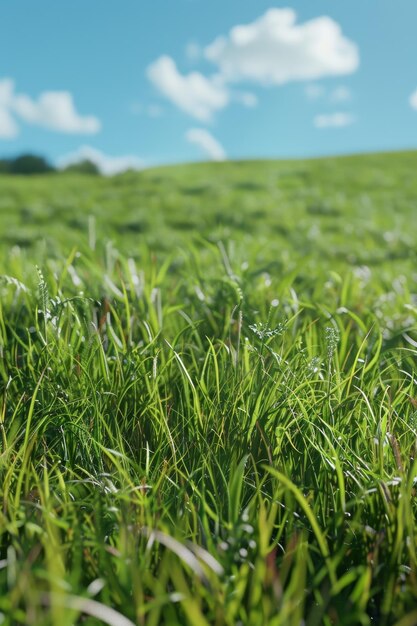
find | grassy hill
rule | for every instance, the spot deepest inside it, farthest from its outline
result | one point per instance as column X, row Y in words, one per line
column 207, row 395
column 273, row 203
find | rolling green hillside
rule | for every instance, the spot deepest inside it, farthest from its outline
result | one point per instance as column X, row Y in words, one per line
column 355, row 209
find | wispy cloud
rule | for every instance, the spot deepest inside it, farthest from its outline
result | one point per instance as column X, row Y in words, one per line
column 108, row 165
column 150, row 110
column 210, row 146
column 193, row 93
column 8, row 127
column 53, row 110
column 341, row 94
column 333, row 120
column 314, row 91
column 413, row 99
column 247, row 98
column 154, row 110
column 193, row 51
column 333, row 97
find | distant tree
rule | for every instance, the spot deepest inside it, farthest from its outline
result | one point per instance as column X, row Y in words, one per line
column 83, row 167
column 4, row 166
column 27, row 164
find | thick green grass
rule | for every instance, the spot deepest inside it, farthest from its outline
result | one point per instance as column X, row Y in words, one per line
column 208, row 398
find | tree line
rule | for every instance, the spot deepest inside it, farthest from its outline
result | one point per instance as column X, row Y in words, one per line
column 29, row 164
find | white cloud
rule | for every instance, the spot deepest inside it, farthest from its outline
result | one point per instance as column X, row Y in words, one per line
column 340, row 94
column 274, row 50
column 55, row 110
column 207, row 143
column 333, row 120
column 413, row 99
column 6, row 91
column 108, row 165
column 8, row 126
column 193, row 93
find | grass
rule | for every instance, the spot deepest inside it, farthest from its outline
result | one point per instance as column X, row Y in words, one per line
column 208, row 403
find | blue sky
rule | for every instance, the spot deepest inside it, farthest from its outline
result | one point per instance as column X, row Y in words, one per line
column 157, row 81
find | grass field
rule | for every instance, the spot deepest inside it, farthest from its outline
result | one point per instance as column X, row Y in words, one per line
column 207, row 396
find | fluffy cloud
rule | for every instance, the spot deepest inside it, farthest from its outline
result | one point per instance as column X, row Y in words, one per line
column 333, row 120
column 207, row 143
column 413, row 99
column 54, row 110
column 108, row 165
column 274, row 50
column 193, row 93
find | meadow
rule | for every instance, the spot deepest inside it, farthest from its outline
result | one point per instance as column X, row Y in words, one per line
column 208, row 410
